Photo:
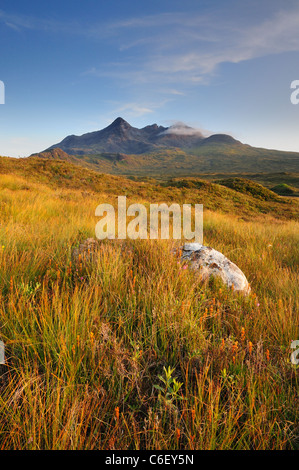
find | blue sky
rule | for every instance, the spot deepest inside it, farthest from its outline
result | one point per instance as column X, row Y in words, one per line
column 71, row 67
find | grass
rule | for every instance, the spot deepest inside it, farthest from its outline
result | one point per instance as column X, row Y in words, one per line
column 132, row 352
column 232, row 196
column 285, row 190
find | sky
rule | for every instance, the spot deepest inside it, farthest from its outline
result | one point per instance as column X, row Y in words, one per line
column 71, row 67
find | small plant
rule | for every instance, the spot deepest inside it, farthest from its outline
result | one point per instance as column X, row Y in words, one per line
column 30, row 289
column 227, row 378
column 170, row 391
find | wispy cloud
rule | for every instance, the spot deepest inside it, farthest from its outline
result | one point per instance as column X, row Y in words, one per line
column 184, row 48
column 179, row 47
column 132, row 110
column 24, row 22
column 136, row 109
column 12, row 26
column 180, row 128
column 172, row 91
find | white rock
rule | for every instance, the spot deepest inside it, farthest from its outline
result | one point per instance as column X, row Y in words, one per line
column 211, row 262
column 192, row 246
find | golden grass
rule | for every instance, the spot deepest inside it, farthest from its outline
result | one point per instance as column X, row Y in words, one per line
column 132, row 352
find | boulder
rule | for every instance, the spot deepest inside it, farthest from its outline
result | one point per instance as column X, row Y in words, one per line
column 204, row 259
column 212, row 263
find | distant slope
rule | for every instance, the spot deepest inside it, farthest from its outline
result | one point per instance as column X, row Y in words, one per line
column 213, row 159
column 59, row 175
column 55, row 154
column 246, row 186
column 284, row 189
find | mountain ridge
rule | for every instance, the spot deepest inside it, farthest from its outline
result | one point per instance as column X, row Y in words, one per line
column 121, row 137
column 158, row 151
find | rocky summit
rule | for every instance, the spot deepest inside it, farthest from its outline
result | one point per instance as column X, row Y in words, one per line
column 120, row 136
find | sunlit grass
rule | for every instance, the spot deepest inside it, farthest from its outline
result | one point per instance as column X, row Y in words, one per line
column 86, row 345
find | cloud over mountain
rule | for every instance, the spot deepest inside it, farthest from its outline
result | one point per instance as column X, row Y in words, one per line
column 121, row 137
column 179, row 128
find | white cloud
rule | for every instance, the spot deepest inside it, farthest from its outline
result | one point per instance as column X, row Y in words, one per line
column 189, row 48
column 172, row 91
column 177, row 47
column 24, row 22
column 180, row 128
column 12, row 26
column 133, row 110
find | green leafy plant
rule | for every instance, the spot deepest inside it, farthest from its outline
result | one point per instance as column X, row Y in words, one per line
column 170, row 389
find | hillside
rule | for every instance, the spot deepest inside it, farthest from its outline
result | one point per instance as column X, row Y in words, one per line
column 236, row 196
column 56, row 154
column 133, row 351
column 175, row 162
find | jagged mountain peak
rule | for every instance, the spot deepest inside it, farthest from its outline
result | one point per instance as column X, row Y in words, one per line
column 119, row 122
column 121, row 137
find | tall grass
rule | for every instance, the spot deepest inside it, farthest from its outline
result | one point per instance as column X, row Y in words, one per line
column 131, row 351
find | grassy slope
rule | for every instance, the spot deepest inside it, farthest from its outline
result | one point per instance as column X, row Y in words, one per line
column 86, row 345
column 211, row 162
column 207, row 158
column 212, row 196
column 268, row 180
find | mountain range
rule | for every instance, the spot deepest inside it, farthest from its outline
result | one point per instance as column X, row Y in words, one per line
column 121, row 137
column 178, row 150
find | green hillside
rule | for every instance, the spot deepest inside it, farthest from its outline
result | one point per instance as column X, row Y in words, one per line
column 216, row 158
column 238, row 196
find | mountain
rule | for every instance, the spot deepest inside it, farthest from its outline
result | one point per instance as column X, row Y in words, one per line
column 221, row 139
column 160, row 151
column 121, row 137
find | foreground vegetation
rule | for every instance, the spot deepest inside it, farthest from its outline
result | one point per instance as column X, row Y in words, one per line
column 131, row 351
